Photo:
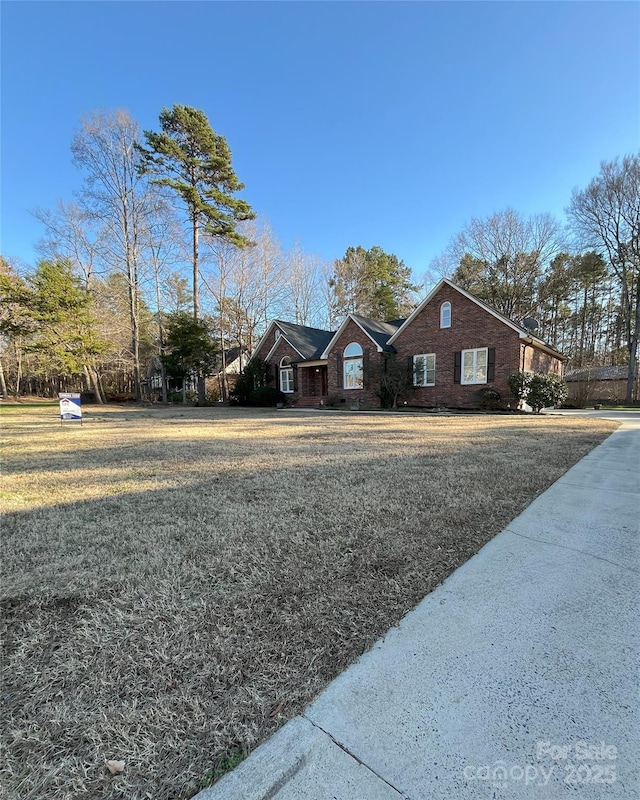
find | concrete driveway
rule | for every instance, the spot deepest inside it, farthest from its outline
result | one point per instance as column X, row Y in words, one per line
column 629, row 417
column 516, row 679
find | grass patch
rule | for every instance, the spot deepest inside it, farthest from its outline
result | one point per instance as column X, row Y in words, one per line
column 178, row 582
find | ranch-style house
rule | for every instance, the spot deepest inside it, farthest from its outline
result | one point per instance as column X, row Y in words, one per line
column 453, row 346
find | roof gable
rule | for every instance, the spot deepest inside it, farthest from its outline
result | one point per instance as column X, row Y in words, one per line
column 378, row 332
column 309, row 342
column 522, row 332
column 264, row 338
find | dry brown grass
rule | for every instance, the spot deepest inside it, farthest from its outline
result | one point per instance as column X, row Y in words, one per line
column 178, row 583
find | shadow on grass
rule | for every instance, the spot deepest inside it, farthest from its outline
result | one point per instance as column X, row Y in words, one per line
column 177, row 627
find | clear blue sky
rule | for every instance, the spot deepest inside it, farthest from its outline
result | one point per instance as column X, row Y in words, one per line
column 350, row 123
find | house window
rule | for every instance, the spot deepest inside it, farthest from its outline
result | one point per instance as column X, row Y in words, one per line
column 474, row 366
column 445, row 315
column 286, row 375
column 353, row 366
column 424, row 369
column 278, row 334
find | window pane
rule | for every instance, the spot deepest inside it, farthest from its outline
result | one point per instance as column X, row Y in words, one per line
column 481, row 366
column 445, row 315
column 353, row 373
column 418, row 370
column 424, row 369
column 286, row 380
column 352, row 349
column 467, row 366
column 430, row 369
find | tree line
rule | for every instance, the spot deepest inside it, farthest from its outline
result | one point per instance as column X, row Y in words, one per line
column 159, row 264
column 577, row 286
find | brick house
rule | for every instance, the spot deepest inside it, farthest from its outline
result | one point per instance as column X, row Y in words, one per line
column 452, row 346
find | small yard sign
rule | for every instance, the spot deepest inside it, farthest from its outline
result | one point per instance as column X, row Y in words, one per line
column 70, row 407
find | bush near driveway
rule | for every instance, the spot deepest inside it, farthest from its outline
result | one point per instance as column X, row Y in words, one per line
column 178, row 582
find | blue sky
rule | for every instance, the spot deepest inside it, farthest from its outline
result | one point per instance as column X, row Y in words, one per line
column 350, row 123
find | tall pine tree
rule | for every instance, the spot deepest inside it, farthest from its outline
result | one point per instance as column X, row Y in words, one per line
column 190, row 158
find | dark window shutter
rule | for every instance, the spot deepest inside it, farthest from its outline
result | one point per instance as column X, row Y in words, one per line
column 295, row 377
column 365, row 369
column 340, row 375
column 491, row 364
column 457, row 366
column 276, row 375
column 410, row 372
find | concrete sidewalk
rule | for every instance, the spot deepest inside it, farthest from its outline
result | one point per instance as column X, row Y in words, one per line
column 517, row 678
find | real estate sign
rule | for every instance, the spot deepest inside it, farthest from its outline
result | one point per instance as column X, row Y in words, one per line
column 70, row 407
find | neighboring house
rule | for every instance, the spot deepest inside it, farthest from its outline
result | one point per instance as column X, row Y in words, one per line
column 236, row 359
column 152, row 385
column 599, row 385
column 452, row 346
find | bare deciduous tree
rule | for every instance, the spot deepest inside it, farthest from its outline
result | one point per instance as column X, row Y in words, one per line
column 606, row 217
column 72, row 237
column 118, row 201
column 501, row 258
column 305, row 278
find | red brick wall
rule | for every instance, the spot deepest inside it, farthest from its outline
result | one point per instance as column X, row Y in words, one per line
column 538, row 361
column 264, row 348
column 283, row 349
column 367, row 396
column 471, row 327
column 308, row 381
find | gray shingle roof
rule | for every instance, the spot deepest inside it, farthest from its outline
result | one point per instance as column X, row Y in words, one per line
column 380, row 332
column 310, row 342
column 597, row 374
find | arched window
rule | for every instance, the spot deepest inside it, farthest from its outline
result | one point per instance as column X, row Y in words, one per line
column 445, row 315
column 352, row 349
column 352, row 365
column 286, row 375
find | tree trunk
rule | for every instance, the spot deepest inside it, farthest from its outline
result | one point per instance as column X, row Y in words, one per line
column 633, row 347
column 202, row 391
column 163, row 376
column 633, row 368
column 196, row 268
column 92, row 380
column 18, row 370
column 224, row 394
column 3, row 385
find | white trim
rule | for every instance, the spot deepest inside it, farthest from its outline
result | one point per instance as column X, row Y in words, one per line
column 474, row 350
column 352, row 360
column 339, row 332
column 278, row 341
column 442, row 305
column 282, row 370
column 500, row 317
column 263, row 338
column 424, row 355
column 360, row 351
column 531, row 341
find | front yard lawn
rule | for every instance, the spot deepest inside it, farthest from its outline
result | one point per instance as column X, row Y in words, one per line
column 177, row 583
